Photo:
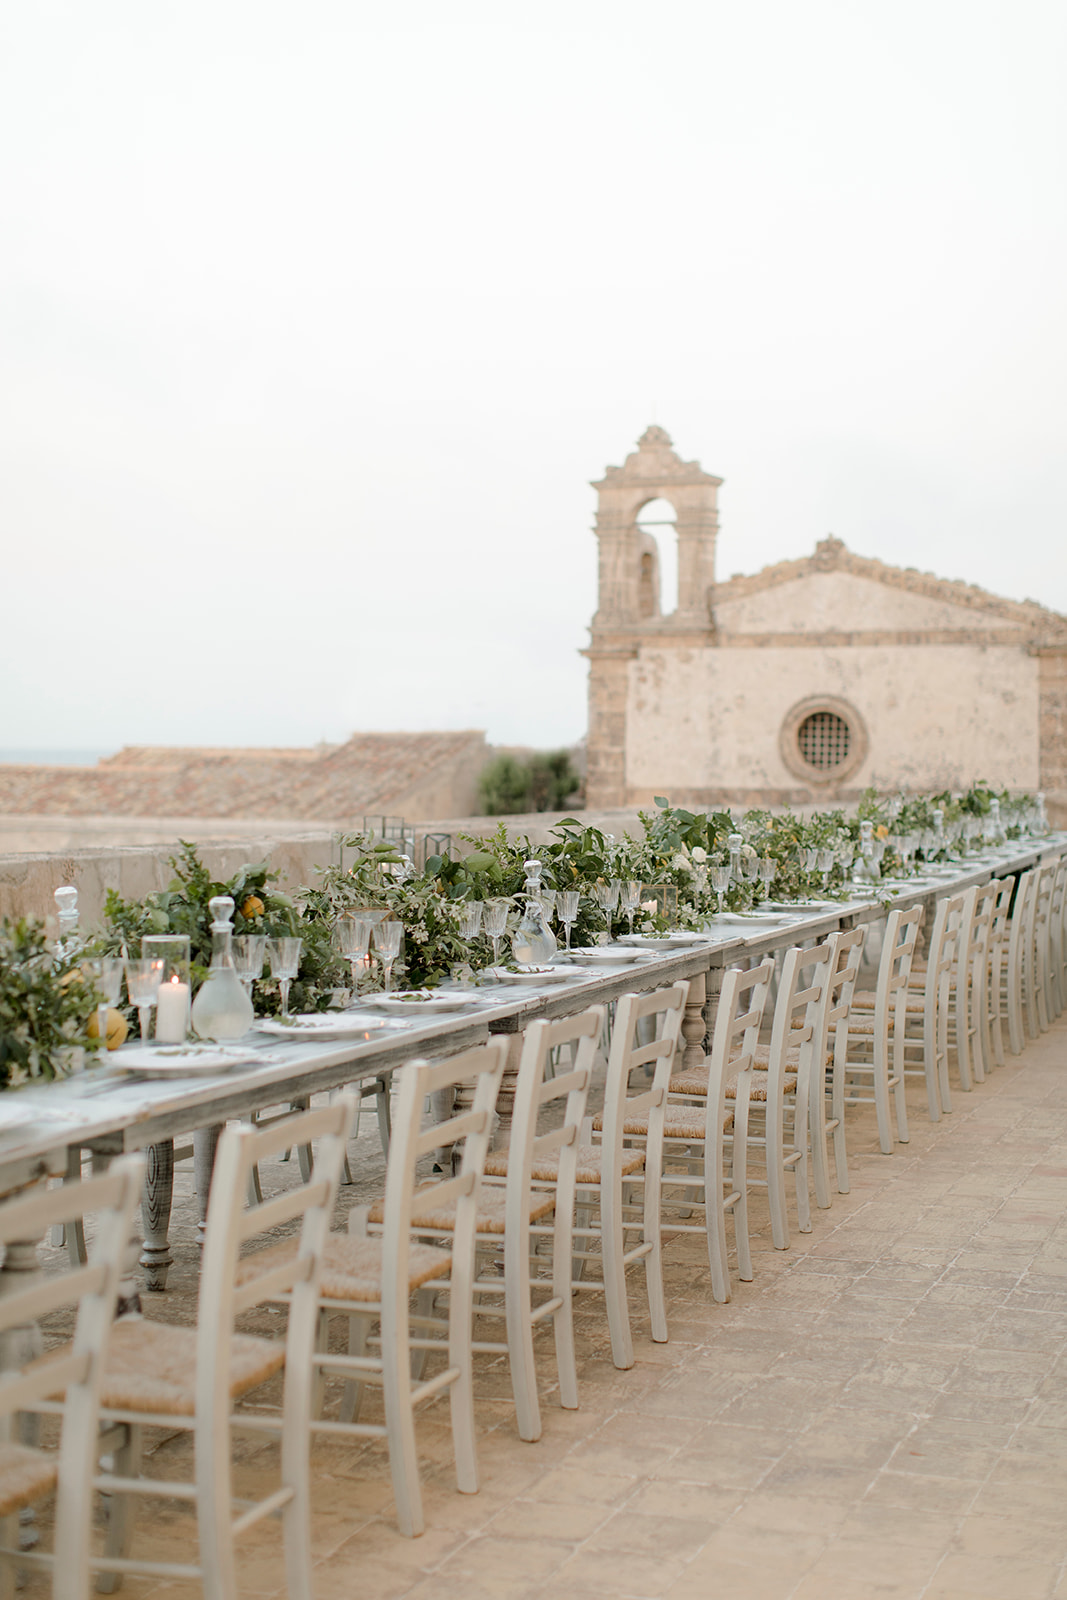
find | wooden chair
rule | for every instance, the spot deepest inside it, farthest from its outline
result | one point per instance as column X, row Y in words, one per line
column 996, row 1002
column 529, row 1194
column 878, row 1027
column 1054, row 990
column 1019, row 969
column 161, row 1376
column 371, row 1273
column 619, row 1177
column 827, row 1110
column 27, row 1474
column 934, row 998
column 699, row 1117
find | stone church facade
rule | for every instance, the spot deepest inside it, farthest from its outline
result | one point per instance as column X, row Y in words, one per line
column 810, row 680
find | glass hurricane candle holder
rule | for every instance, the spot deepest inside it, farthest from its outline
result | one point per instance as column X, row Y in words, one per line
column 174, row 1001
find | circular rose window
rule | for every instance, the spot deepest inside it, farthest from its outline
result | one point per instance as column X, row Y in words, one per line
column 823, row 740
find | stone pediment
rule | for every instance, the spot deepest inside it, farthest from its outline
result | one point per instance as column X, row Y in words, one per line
column 655, row 461
column 834, row 593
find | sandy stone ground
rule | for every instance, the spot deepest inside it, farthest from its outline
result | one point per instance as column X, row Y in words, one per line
column 882, row 1412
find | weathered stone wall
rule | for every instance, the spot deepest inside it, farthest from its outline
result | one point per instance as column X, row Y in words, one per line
column 707, row 722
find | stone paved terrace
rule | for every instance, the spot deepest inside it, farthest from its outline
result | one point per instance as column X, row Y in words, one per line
column 881, row 1413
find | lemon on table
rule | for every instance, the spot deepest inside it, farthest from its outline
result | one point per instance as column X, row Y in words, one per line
column 117, row 1028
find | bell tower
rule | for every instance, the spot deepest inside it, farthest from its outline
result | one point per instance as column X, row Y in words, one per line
column 628, row 610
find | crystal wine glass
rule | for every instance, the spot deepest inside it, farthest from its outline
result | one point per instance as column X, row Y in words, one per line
column 629, row 900
column 143, row 978
column 387, row 937
column 249, row 953
column 106, row 973
column 720, row 881
column 768, row 868
column 567, row 910
column 284, row 958
column 846, row 854
column 353, row 941
column 607, row 898
column 494, row 923
column 469, row 918
column 826, row 859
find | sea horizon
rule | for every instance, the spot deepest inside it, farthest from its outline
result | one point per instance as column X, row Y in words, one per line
column 52, row 758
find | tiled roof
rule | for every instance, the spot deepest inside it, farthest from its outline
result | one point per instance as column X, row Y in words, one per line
column 372, row 772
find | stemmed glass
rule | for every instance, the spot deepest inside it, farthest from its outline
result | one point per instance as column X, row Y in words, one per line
column 629, row 900
column 846, row 854
column 353, row 940
column 494, row 923
column 469, row 918
column 826, row 859
column 567, row 909
column 387, row 937
column 106, row 973
column 284, row 958
column 767, row 869
column 720, row 881
column 249, row 952
column 607, row 898
column 143, row 979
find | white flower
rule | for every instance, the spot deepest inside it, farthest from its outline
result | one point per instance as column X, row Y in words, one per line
column 700, row 855
column 680, row 863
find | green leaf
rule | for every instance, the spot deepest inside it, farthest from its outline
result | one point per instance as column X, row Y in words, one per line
column 658, row 800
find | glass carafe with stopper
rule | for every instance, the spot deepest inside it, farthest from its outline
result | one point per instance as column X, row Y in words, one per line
column 533, row 942
column 222, row 1009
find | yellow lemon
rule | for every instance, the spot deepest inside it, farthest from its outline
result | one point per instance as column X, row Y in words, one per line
column 117, row 1028
column 252, row 907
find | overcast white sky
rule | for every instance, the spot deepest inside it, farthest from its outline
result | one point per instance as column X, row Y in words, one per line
column 316, row 319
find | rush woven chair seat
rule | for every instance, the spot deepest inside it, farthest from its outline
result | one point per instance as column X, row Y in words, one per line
column 165, row 1376
column 68, row 1380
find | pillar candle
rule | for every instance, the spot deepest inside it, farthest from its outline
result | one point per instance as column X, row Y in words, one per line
column 172, row 1012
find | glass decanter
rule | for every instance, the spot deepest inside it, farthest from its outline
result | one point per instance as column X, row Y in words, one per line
column 222, row 1008
column 533, row 942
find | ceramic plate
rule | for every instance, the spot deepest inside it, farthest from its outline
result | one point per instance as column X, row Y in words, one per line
column 179, row 1060
column 530, row 975
column 811, row 907
column 320, row 1025
column 663, row 941
column 607, row 955
column 418, row 1002
column 750, row 919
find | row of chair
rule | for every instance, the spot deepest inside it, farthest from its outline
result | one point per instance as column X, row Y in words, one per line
column 513, row 1236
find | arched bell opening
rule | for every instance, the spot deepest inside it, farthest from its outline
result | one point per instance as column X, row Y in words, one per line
column 656, row 523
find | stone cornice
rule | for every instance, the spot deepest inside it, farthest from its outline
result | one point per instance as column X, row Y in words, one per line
column 654, row 461
column 1031, row 621
column 872, row 637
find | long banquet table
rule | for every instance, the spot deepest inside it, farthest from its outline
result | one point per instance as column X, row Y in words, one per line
column 108, row 1111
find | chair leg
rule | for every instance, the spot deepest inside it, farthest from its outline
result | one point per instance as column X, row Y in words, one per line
column 563, row 1321
column 461, row 1392
column 739, row 1185
column 517, row 1301
column 385, row 1126
column 121, row 1508
column 657, row 1305
column 774, row 1146
column 352, row 1396
column 618, row 1311
column 881, row 1095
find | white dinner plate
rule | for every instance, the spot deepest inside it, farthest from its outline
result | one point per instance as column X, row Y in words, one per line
column 748, row 919
column 811, row 907
column 180, row 1060
column 320, row 1025
column 607, row 955
column 663, row 941
column 530, row 975
column 417, row 1002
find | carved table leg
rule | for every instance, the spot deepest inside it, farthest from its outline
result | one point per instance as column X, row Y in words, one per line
column 694, row 1026
column 205, row 1143
column 156, row 1200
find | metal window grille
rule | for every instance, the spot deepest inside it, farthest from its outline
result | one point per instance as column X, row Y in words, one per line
column 824, row 739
